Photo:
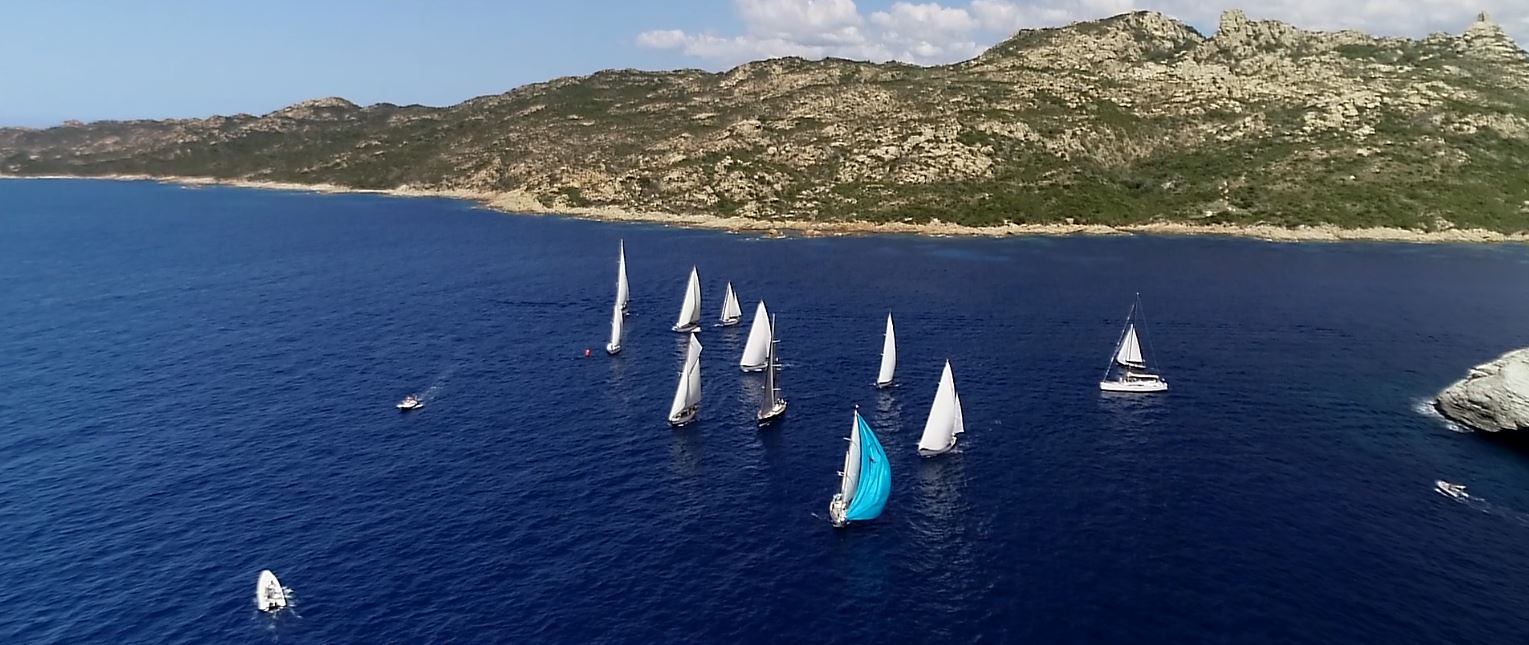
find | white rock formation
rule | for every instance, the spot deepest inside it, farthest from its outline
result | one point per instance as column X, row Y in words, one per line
column 1493, row 397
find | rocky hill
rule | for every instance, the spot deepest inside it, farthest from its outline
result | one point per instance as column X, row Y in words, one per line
column 1131, row 119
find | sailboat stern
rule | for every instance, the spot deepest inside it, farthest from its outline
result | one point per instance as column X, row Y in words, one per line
column 684, row 417
column 766, row 417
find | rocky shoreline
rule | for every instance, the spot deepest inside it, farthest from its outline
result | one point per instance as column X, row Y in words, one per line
column 519, row 202
column 1493, row 397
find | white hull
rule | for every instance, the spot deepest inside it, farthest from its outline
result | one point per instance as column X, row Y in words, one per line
column 1140, row 387
column 883, row 386
column 684, row 417
column 409, row 406
column 926, row 453
column 752, row 368
column 612, row 349
column 731, row 322
column 836, row 509
column 774, row 413
column 689, row 328
column 269, row 594
column 1454, row 491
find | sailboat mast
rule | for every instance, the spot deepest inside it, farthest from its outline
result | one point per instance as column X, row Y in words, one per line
column 767, row 403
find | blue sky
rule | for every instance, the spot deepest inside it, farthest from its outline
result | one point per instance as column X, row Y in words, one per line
column 71, row 59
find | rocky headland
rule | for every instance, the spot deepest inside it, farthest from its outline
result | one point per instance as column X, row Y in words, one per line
column 1493, row 397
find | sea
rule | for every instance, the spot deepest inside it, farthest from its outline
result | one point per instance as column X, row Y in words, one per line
column 199, row 383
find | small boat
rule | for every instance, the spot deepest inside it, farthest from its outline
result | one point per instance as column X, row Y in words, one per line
column 689, row 320
column 945, row 418
column 687, row 394
column 622, row 292
column 731, row 314
column 409, row 403
column 888, row 356
column 771, row 406
column 758, row 344
column 617, row 320
column 1128, row 364
column 1456, row 491
column 269, row 595
column 866, row 481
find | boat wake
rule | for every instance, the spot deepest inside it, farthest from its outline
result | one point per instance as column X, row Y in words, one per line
column 437, row 387
column 1458, row 493
column 1424, row 406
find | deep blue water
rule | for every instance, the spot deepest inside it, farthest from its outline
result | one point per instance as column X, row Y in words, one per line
column 199, row 384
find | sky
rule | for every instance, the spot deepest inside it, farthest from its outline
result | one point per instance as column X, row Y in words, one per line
column 73, row 59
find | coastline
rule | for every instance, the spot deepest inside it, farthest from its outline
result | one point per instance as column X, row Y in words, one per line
column 519, row 202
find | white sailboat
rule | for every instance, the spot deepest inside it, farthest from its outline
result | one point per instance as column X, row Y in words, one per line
column 731, row 314
column 622, row 292
column 1128, row 364
column 617, row 319
column 758, row 344
column 690, row 312
column 771, row 405
column 888, row 356
column 945, row 418
column 687, row 394
column 269, row 595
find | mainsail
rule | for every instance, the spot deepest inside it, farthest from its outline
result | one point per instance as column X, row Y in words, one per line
column 616, row 322
column 867, row 479
column 690, row 311
column 758, row 345
column 621, row 288
column 771, row 392
column 945, row 417
column 730, row 311
column 888, row 356
column 688, row 391
column 1130, row 350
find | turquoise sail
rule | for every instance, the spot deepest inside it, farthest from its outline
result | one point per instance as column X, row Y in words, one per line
column 875, row 483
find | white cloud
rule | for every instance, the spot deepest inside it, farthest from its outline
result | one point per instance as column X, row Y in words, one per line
column 935, row 32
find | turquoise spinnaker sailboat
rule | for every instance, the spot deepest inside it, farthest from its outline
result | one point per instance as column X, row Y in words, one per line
column 866, row 481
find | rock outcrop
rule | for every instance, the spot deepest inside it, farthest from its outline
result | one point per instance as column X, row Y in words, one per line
column 1493, row 397
column 1132, row 120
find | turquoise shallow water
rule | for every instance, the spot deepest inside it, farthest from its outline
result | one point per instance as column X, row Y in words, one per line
column 199, row 385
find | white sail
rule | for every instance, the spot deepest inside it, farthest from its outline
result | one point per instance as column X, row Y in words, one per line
column 1130, row 350
column 730, row 309
column 616, row 323
column 945, row 418
column 621, row 288
column 849, row 478
column 693, row 373
column 688, row 391
column 888, row 355
column 690, row 311
column 758, row 345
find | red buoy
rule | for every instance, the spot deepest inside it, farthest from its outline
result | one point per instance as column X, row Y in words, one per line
column 587, row 353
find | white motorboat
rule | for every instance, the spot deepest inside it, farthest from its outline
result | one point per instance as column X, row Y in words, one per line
column 1456, row 491
column 269, row 594
column 409, row 403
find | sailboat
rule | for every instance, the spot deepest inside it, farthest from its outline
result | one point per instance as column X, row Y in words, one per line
column 614, row 347
column 945, row 419
column 771, row 405
column 269, row 595
column 687, row 394
column 690, row 312
column 622, row 292
column 888, row 357
column 866, row 481
column 758, row 344
column 731, row 314
column 1128, row 363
